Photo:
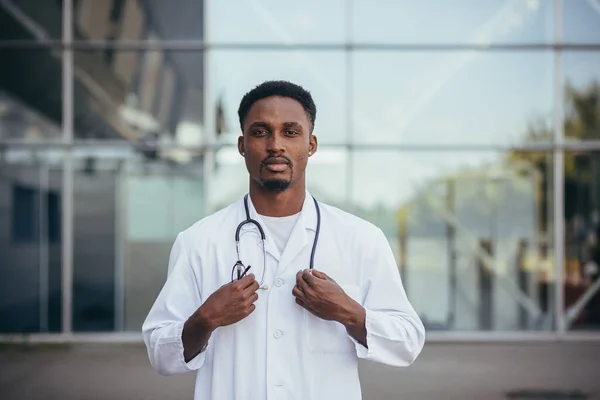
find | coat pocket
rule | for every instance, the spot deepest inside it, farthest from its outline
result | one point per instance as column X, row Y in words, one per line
column 330, row 337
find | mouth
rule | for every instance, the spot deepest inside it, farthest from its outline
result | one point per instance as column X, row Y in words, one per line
column 276, row 164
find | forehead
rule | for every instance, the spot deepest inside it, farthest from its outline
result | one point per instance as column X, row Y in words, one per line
column 277, row 110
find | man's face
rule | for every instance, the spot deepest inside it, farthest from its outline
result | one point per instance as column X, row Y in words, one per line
column 276, row 142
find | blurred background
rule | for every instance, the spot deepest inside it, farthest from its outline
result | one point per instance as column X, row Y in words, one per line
column 469, row 131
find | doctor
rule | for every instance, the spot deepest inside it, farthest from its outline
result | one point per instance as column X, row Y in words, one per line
column 291, row 315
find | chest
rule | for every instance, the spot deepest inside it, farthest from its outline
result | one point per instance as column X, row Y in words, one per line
column 337, row 256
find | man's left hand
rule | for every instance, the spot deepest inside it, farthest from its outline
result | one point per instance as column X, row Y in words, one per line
column 322, row 296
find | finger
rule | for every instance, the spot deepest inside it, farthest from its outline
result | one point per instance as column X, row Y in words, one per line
column 247, row 280
column 250, row 309
column 300, row 302
column 308, row 277
column 303, row 285
column 298, row 293
column 252, row 299
column 252, row 288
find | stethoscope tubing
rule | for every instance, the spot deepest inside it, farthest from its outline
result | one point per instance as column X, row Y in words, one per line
column 241, row 270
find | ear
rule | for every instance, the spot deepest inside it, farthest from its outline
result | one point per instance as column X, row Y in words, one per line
column 312, row 145
column 241, row 145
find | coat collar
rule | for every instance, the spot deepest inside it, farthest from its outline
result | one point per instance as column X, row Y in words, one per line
column 299, row 238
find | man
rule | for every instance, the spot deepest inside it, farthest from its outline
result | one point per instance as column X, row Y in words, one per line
column 285, row 331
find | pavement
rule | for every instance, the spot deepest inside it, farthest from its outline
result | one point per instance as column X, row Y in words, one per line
column 443, row 371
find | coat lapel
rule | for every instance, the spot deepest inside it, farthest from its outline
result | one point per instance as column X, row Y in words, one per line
column 301, row 236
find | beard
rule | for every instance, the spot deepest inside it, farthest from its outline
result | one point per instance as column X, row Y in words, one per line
column 275, row 185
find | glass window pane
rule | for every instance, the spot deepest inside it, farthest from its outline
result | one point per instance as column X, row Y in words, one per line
column 157, row 203
column 581, row 21
column 129, row 207
column 94, row 249
column 30, row 242
column 471, row 232
column 452, row 22
column 452, row 98
column 582, row 91
column 30, row 94
column 321, row 73
column 582, row 234
column 139, row 95
column 30, row 20
column 272, row 21
column 133, row 20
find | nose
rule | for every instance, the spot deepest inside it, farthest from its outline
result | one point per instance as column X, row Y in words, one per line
column 275, row 144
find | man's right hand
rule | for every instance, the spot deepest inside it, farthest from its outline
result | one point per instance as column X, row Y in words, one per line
column 231, row 303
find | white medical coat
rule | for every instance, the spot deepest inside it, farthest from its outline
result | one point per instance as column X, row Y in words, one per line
column 281, row 351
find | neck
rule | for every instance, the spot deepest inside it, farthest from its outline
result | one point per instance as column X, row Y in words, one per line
column 278, row 204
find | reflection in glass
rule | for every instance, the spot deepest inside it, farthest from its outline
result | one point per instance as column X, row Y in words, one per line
column 128, row 210
column 30, row 20
column 139, row 95
column 582, row 233
column 30, row 94
column 455, row 22
column 30, row 243
column 321, row 73
column 471, row 233
column 581, row 21
column 442, row 98
column 581, row 94
column 138, row 20
column 280, row 22
column 94, row 246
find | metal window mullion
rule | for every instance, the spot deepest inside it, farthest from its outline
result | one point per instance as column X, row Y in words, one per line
column 121, row 193
column 43, row 172
column 349, row 106
column 209, row 136
column 559, row 183
column 67, row 175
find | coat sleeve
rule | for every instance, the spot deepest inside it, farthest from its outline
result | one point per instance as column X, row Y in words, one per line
column 177, row 301
column 395, row 333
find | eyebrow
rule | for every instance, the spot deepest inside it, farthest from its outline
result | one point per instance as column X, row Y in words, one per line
column 261, row 124
column 292, row 125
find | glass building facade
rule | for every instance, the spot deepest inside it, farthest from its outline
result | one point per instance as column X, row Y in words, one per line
column 469, row 131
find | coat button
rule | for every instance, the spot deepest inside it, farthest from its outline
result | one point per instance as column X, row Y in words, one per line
column 277, row 334
column 279, row 282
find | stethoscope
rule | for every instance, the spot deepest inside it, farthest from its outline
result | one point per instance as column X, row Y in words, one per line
column 241, row 269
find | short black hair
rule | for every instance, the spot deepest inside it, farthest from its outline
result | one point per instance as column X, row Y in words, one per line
column 278, row 88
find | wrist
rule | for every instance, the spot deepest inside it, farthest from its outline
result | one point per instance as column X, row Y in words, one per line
column 353, row 316
column 205, row 320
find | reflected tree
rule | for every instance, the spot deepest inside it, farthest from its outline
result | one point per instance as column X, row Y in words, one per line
column 581, row 180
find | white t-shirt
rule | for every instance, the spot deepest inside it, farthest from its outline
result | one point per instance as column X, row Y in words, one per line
column 280, row 228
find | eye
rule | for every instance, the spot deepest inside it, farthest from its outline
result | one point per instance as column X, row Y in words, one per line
column 259, row 132
column 292, row 133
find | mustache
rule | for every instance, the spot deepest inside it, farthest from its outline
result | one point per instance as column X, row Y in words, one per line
column 278, row 159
